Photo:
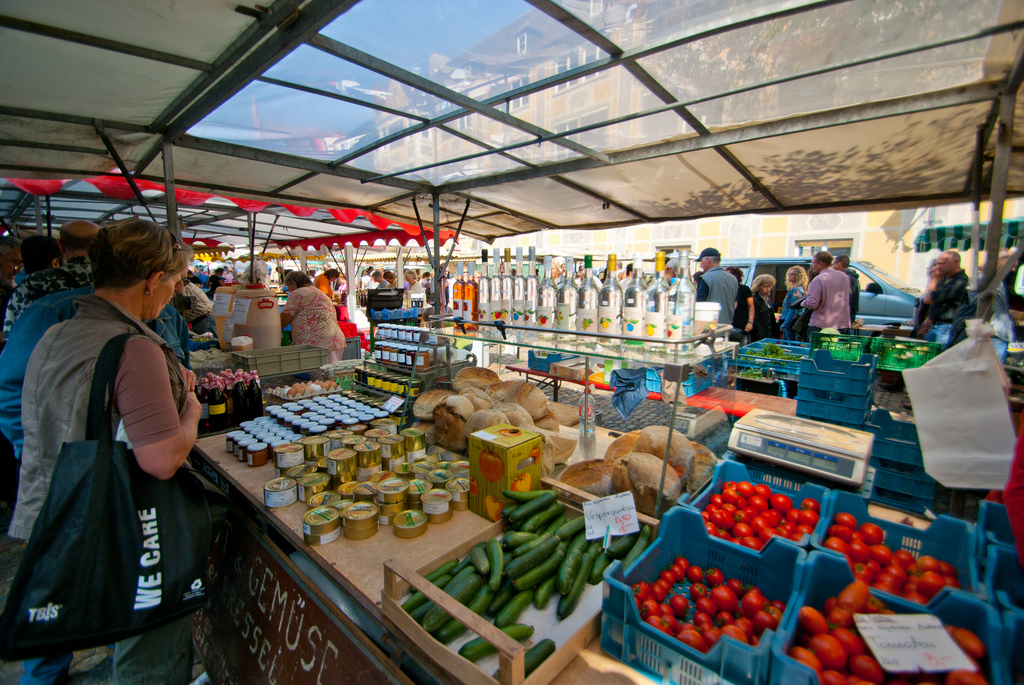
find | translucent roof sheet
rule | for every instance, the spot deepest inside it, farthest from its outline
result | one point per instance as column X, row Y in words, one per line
column 544, row 113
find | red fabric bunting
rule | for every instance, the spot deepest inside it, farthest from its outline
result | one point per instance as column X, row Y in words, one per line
column 300, row 211
column 191, row 198
column 355, row 239
column 248, row 205
column 117, row 188
column 34, row 186
column 209, row 242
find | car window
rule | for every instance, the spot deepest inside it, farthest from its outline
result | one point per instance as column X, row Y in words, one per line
column 865, row 278
column 887, row 277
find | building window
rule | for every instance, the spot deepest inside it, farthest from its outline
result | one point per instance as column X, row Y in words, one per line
column 521, row 43
column 807, row 248
column 519, row 103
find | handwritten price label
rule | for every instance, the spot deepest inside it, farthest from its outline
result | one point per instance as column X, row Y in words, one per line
column 911, row 643
column 611, row 516
column 392, row 404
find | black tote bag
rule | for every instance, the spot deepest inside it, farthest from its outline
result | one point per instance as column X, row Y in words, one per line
column 114, row 552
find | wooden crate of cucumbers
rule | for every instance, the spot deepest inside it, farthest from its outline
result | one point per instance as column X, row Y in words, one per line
column 533, row 574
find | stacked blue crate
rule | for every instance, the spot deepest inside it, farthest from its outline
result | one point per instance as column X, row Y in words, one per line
column 836, row 391
column 900, row 478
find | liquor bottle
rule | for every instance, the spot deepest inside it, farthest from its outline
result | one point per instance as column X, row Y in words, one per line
column 565, row 304
column 546, row 296
column 506, row 286
column 609, row 307
column 255, row 393
column 587, row 300
column 519, row 291
column 469, row 296
column 457, row 296
column 682, row 299
column 532, row 285
column 202, row 394
column 218, row 406
column 483, row 294
column 657, row 305
column 634, row 305
column 239, row 398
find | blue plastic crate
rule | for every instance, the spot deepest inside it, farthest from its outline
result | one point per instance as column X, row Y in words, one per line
column 542, row 361
column 843, row 400
column 825, row 575
column 946, row 538
column 896, row 445
column 747, row 356
column 1012, row 666
column 654, row 378
column 793, row 486
column 691, row 386
column 821, row 372
column 776, row 570
column 197, row 345
column 1004, row 580
column 921, row 485
column 895, row 499
column 808, row 407
column 993, row 528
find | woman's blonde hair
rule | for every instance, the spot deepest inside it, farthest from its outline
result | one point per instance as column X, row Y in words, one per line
column 800, row 277
column 760, row 281
column 130, row 251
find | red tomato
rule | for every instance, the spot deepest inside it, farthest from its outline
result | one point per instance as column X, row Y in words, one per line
column 839, row 617
column 742, row 516
column 711, row 529
column 742, row 530
column 695, row 574
column 698, row 590
column 729, row 485
column 853, row 597
column 881, row 555
column 702, row 620
column 735, row 633
column 752, row 543
column 757, row 523
column 766, row 534
column 852, row 644
column 691, row 638
column 730, row 508
column 714, row 577
column 806, row 657
column 808, row 516
column 965, row 678
column 837, row 545
column 716, row 500
column 778, row 604
column 736, row 585
column 786, row 528
column 751, row 603
column 660, row 590
column 721, row 519
column 828, row 650
column 705, row 605
column 927, row 563
column 758, row 503
column 930, row 583
column 846, row 520
column 969, row 642
column 723, row 619
column 669, row 576
column 730, row 496
column 763, row 491
column 745, row 624
column 947, row 569
column 658, row 622
column 772, row 518
column 810, row 504
column 681, row 561
column 745, row 489
column 883, row 586
column 680, row 605
column 649, row 608
column 793, row 515
column 764, row 621
column 711, row 635
column 873, row 534
column 951, row 582
column 781, row 503
column 842, row 532
column 680, row 571
column 725, row 599
column 641, row 591
column 832, row 678
column 866, row 668
column 903, row 558
column 805, row 529
column 914, row 597
column 859, row 552
column 672, row 624
column 706, row 514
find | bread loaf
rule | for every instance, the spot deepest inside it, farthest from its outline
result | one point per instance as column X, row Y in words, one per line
column 622, row 446
column 474, row 377
column 425, row 403
column 565, row 414
column 526, row 395
column 460, row 405
column 517, row 416
column 548, row 422
column 593, row 476
column 562, row 446
column 645, row 472
column 478, row 397
column 448, row 428
column 654, row 439
column 485, row 418
column 703, row 468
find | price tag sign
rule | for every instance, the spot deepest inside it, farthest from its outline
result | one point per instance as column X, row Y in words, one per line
column 221, row 304
column 392, row 404
column 241, row 312
column 611, row 516
column 229, row 330
column 911, row 643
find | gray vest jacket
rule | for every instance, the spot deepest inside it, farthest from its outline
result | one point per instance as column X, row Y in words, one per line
column 55, row 397
column 722, row 287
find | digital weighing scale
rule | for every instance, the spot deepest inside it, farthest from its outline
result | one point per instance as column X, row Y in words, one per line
column 821, row 449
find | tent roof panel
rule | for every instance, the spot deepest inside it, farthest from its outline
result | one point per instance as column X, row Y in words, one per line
column 197, row 168
column 552, row 203
column 345, row 190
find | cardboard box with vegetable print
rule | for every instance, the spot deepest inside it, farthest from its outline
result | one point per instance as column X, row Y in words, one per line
column 501, row 457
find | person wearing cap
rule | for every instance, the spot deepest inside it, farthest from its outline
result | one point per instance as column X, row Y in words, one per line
column 717, row 285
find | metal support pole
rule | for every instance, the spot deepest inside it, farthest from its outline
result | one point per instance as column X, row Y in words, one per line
column 49, row 218
column 352, row 278
column 250, row 220
column 976, row 174
column 438, row 276
column 400, row 265
column 997, row 195
column 169, row 197
column 39, row 217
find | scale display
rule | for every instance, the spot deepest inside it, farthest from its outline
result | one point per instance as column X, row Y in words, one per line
column 820, row 449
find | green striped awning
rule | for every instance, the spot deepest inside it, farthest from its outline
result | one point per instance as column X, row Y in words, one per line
column 959, row 237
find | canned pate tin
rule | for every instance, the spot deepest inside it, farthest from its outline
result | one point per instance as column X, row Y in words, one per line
column 347, row 490
column 357, row 428
column 421, row 468
column 280, row 492
column 391, row 490
column 364, row 492
column 390, row 425
column 340, row 480
column 379, row 476
column 459, row 488
column 352, row 440
column 335, row 437
column 311, row 484
column 409, row 524
column 375, row 434
column 389, row 508
column 416, row 488
column 328, row 498
column 341, row 461
column 402, row 470
column 459, row 468
column 361, row 520
column 321, row 525
column 313, row 446
column 439, row 477
column 367, row 459
column 288, row 455
column 437, row 505
column 297, row 472
column 415, row 444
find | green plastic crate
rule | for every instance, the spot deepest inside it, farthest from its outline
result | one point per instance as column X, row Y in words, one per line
column 896, row 354
column 845, row 347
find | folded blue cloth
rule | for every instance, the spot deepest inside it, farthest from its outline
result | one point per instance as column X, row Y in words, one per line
column 630, row 390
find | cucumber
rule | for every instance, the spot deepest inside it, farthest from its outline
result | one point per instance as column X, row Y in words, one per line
column 602, row 562
column 567, row 603
column 523, row 497
column 538, row 574
column 516, row 606
column 579, row 542
column 421, row 611
column 594, row 547
column 537, row 655
column 553, row 527
column 525, row 511
column 437, row 616
column 638, row 548
column 477, row 649
column 524, row 563
column 523, row 549
column 445, row 570
column 505, row 593
column 496, row 561
column 514, row 539
column 466, row 561
column 507, row 510
column 544, row 592
column 567, row 571
column 480, row 561
column 542, row 518
column 621, row 546
column 418, row 599
column 453, row 628
column 570, row 529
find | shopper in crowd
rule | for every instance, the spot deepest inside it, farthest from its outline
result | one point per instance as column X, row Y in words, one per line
column 828, row 296
column 312, row 316
column 842, row 263
column 135, row 267
column 626, row 274
column 325, row 282
column 945, row 292
column 717, row 285
column 10, row 266
column 765, row 324
column 376, row 279
column 390, row 279
column 743, row 314
column 428, row 286
column 73, row 243
column 194, row 306
column 412, row 284
column 796, row 289
column 216, row 280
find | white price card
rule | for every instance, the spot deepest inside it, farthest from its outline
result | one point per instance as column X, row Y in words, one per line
column 241, row 311
column 611, row 516
column 221, row 304
column 392, row 404
column 911, row 643
column 229, row 330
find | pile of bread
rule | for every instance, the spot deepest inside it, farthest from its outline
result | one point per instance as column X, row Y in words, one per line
column 634, row 462
column 480, row 399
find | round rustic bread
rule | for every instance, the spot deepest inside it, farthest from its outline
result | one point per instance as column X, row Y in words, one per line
column 593, row 476
column 703, row 467
column 525, row 394
column 478, row 397
column 460, row 405
column 622, row 446
column 485, row 418
column 653, row 440
column 448, row 428
column 474, row 377
column 517, row 416
column 645, row 472
column 565, row 414
column 425, row 403
column 548, row 422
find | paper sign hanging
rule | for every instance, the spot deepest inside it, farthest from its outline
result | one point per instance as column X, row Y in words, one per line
column 911, row 643
column 611, row 516
column 241, row 311
column 392, row 404
column 221, row 304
